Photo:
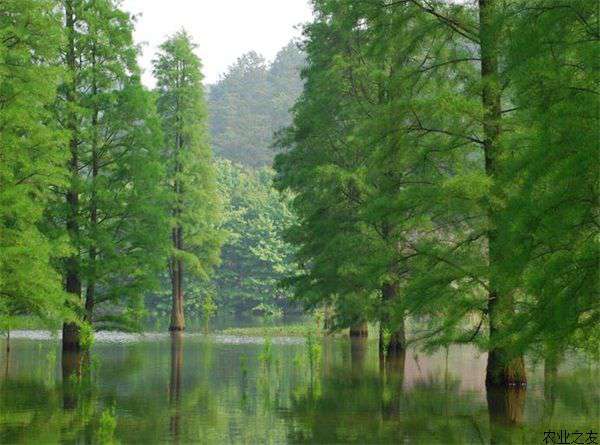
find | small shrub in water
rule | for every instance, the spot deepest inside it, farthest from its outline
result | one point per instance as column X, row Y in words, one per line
column 107, row 426
column 313, row 350
column 266, row 356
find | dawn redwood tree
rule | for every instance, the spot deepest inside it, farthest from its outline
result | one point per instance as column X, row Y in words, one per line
column 459, row 203
column 114, row 212
column 348, row 255
column 504, row 367
column 553, row 60
column 194, row 203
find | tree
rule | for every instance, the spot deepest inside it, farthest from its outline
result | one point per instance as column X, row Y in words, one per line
column 194, row 203
column 348, row 256
column 252, row 102
column 32, row 152
column 422, row 128
column 114, row 197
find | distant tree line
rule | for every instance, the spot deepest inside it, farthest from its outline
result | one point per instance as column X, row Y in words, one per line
column 443, row 163
column 251, row 102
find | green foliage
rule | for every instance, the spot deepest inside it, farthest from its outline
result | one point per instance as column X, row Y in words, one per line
column 266, row 355
column 251, row 102
column 313, row 351
column 32, row 150
column 440, row 168
column 107, row 426
column 254, row 257
column 552, row 215
column 209, row 309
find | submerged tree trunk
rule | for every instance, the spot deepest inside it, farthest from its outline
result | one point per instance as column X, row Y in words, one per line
column 393, row 371
column 359, row 330
column 505, row 408
column 177, row 317
column 75, row 365
column 503, row 367
column 393, row 324
column 71, row 333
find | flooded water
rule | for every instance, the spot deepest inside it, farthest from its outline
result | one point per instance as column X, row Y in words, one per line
column 220, row 389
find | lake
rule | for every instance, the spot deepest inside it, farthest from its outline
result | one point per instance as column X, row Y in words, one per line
column 153, row 388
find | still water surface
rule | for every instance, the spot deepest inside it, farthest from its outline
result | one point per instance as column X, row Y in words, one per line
column 221, row 389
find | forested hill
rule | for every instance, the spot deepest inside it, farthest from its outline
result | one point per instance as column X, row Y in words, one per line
column 251, row 102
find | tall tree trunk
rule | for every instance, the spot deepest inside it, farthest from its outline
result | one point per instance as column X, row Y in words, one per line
column 91, row 282
column 71, row 333
column 7, row 359
column 177, row 316
column 359, row 330
column 503, row 367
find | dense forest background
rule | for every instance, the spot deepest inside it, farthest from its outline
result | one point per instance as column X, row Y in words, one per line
column 247, row 107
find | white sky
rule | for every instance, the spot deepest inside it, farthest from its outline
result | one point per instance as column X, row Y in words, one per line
column 223, row 29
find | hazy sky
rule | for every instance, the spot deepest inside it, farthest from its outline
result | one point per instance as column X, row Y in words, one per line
column 223, row 29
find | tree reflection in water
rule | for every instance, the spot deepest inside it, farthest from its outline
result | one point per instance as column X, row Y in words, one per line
column 175, row 384
column 505, row 409
column 223, row 393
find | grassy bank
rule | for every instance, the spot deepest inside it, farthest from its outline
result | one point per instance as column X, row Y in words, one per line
column 290, row 330
column 25, row 323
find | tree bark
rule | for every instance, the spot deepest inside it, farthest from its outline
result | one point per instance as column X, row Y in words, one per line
column 71, row 333
column 503, row 367
column 393, row 324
